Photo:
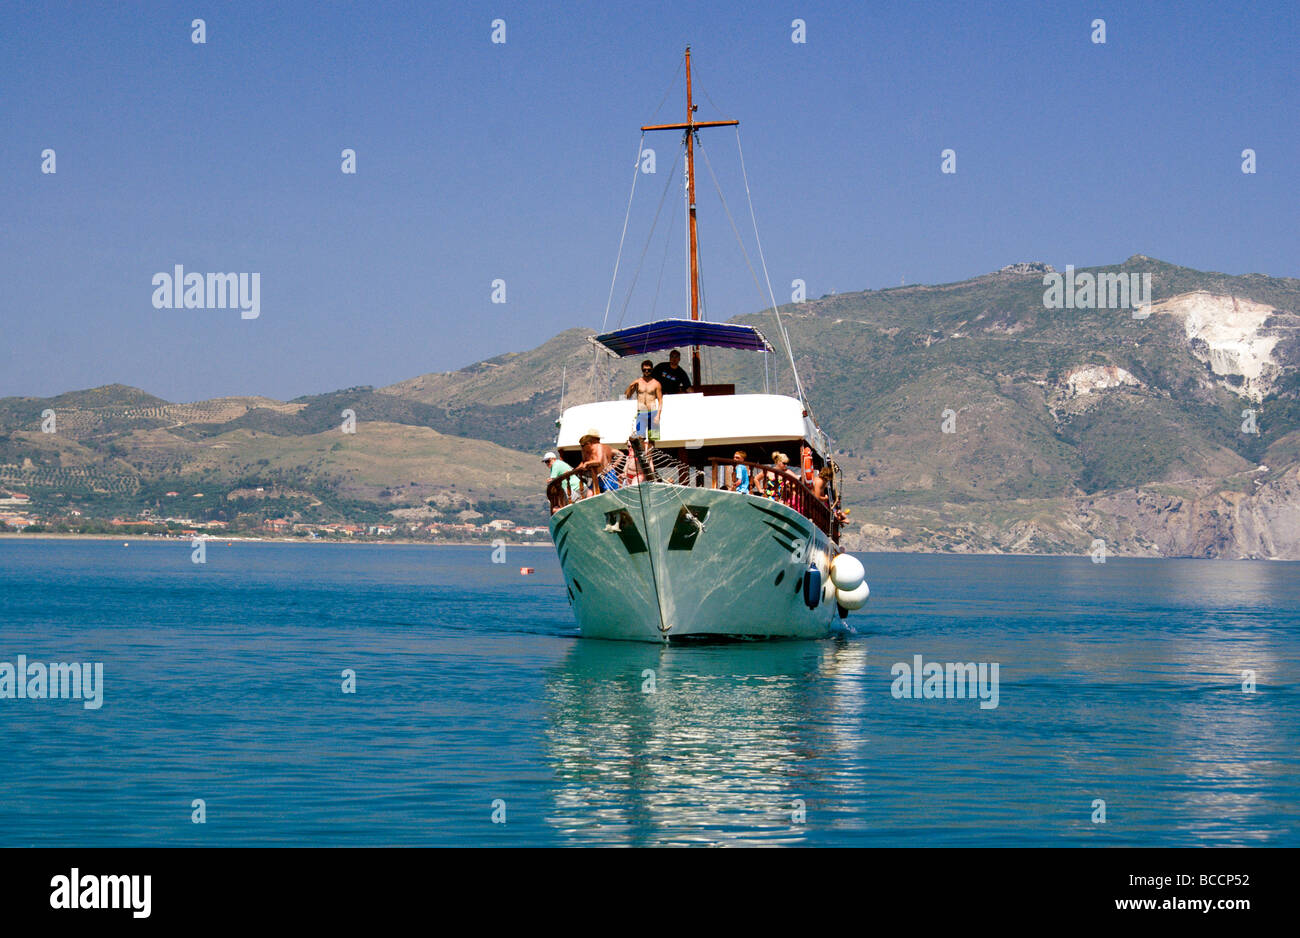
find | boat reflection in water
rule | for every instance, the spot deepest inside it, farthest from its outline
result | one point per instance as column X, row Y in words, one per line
column 721, row 744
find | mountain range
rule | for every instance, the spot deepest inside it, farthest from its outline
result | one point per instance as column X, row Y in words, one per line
column 972, row 416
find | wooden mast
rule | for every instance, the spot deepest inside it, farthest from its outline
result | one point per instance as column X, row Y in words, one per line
column 690, row 128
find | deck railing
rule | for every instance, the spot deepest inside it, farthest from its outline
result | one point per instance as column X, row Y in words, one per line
column 787, row 487
column 559, row 491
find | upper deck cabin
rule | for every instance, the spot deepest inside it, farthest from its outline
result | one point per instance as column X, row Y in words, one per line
column 711, row 420
column 700, row 425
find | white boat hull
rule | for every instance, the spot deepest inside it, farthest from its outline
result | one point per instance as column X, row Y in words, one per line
column 638, row 569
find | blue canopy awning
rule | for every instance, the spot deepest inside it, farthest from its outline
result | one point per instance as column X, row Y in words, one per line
column 680, row 333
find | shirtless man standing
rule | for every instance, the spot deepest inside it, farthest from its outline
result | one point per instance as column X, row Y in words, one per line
column 649, row 397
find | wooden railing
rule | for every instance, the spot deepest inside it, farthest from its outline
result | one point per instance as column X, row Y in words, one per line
column 788, row 489
column 559, row 490
column 637, row 464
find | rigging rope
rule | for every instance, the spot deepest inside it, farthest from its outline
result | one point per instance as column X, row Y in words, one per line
column 671, row 86
column 767, row 382
column 775, row 309
column 654, row 574
column 668, row 243
column 748, row 263
column 650, row 237
column 636, row 171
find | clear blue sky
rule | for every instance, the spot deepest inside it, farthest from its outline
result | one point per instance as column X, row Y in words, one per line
column 479, row 161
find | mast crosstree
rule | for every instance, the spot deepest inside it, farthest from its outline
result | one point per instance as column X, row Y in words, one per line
column 690, row 128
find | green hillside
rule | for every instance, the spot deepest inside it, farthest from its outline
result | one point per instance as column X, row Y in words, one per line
column 1063, row 420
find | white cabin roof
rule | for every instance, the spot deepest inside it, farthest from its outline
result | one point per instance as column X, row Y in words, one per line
column 692, row 420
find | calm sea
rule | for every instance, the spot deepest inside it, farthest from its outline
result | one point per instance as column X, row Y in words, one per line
column 474, row 698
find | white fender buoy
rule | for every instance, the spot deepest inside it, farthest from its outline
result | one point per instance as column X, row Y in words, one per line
column 847, row 571
column 854, row 598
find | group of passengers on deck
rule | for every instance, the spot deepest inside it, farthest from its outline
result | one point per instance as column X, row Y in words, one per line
column 601, row 464
column 599, row 468
column 773, row 480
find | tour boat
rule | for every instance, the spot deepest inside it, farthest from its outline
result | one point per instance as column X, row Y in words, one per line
column 679, row 550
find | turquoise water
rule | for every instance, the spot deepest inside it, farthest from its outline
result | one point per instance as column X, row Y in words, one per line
column 1119, row 682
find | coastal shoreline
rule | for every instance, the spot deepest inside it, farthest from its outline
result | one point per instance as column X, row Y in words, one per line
column 145, row 538
column 407, row 542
